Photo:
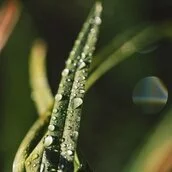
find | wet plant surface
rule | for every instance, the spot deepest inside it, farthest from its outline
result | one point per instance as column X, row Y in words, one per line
column 116, row 132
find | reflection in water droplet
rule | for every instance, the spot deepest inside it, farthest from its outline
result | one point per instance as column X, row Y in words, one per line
column 48, row 141
column 150, row 94
column 77, row 102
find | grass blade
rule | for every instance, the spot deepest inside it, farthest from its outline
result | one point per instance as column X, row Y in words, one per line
column 142, row 39
column 67, row 107
column 41, row 92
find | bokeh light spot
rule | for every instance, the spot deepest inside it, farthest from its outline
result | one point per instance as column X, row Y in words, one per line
column 150, row 94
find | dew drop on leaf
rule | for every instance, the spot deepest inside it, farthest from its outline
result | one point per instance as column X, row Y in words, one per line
column 69, row 152
column 77, row 102
column 51, row 127
column 48, row 141
column 65, row 72
column 98, row 20
column 82, row 65
column 58, row 97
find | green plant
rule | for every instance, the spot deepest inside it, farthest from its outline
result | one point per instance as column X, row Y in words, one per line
column 55, row 148
column 32, row 154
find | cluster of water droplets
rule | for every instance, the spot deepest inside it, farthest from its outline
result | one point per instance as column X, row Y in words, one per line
column 68, row 101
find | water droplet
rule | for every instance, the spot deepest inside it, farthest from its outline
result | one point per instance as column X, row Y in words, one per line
column 77, row 102
column 58, row 97
column 55, row 150
column 69, row 60
column 150, row 95
column 82, row 91
column 54, row 110
column 59, row 170
column 68, row 80
column 35, row 156
column 48, row 141
column 98, row 20
column 69, row 152
column 53, row 118
column 51, row 127
column 82, row 65
column 65, row 72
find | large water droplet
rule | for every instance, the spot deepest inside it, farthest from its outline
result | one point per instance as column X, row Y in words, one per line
column 69, row 152
column 65, row 72
column 51, row 127
column 54, row 110
column 58, row 97
column 150, row 95
column 77, row 102
column 48, row 141
column 98, row 20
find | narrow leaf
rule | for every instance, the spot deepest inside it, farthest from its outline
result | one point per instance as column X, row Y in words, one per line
column 65, row 120
column 41, row 92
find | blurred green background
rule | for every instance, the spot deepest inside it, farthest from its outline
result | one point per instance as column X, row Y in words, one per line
column 112, row 127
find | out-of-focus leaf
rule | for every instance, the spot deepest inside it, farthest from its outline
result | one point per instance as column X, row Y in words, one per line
column 9, row 15
column 41, row 92
column 156, row 154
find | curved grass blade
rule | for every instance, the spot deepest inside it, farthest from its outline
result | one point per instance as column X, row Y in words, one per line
column 142, row 39
column 67, row 107
column 41, row 92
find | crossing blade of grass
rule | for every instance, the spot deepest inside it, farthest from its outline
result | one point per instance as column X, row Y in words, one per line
column 58, row 155
column 147, row 36
column 41, row 92
column 76, row 72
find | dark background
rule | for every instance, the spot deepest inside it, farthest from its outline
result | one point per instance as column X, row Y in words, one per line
column 112, row 126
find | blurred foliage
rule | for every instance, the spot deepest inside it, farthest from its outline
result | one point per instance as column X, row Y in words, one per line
column 110, row 135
